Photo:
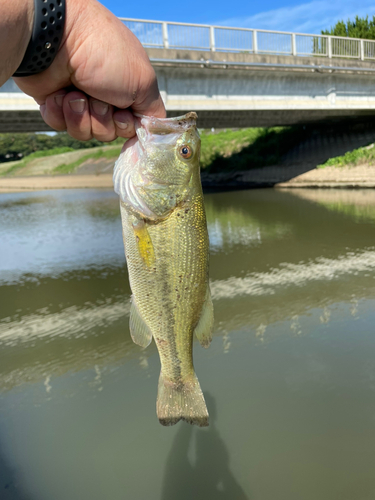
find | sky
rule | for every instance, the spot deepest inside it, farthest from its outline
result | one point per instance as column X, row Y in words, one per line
column 280, row 15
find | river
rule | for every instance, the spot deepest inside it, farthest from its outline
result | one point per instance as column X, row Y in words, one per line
column 289, row 378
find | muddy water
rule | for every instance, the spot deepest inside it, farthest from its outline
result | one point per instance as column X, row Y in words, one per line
column 289, row 378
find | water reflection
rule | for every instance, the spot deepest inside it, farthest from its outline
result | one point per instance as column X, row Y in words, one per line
column 291, row 362
column 55, row 340
column 54, row 321
column 230, row 227
column 57, row 232
column 358, row 204
column 208, row 475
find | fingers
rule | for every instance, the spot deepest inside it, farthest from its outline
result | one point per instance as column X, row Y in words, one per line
column 102, row 126
column 84, row 117
column 52, row 112
column 124, row 122
column 77, row 115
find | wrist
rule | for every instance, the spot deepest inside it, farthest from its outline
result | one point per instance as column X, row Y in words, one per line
column 47, row 33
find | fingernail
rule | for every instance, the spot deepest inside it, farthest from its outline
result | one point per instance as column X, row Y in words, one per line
column 42, row 109
column 77, row 105
column 99, row 107
column 121, row 125
column 59, row 99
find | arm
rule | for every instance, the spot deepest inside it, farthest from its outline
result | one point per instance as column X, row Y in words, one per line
column 100, row 71
column 16, row 23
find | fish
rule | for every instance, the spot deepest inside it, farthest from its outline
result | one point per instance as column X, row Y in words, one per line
column 157, row 178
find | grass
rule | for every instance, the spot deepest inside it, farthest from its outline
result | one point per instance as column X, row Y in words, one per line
column 37, row 154
column 223, row 151
column 70, row 167
column 353, row 158
column 248, row 148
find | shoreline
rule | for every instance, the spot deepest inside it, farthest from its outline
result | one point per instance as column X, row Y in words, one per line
column 362, row 176
column 294, row 176
column 45, row 182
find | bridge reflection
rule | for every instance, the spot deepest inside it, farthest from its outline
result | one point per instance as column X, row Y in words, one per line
column 277, row 258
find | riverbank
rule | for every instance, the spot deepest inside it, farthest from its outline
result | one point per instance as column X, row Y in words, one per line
column 362, row 176
column 45, row 182
column 230, row 159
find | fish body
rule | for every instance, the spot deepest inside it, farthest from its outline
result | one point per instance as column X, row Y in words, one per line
column 167, row 249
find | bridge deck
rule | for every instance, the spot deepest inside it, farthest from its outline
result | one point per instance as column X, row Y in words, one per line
column 238, row 90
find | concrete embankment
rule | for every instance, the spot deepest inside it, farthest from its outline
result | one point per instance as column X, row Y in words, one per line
column 362, row 176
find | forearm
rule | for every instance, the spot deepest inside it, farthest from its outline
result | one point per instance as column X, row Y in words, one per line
column 16, row 23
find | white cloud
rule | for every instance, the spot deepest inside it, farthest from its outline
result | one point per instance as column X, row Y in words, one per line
column 309, row 17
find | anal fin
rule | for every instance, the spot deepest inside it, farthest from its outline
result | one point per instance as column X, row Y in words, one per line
column 139, row 331
column 205, row 325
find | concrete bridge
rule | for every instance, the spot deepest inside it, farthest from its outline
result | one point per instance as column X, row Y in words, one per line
column 241, row 78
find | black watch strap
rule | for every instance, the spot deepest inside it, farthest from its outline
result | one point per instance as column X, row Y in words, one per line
column 49, row 19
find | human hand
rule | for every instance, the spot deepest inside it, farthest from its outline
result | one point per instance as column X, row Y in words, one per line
column 100, row 74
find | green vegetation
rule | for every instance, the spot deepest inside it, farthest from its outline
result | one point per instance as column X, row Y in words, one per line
column 37, row 154
column 247, row 148
column 68, row 168
column 225, row 150
column 17, row 146
column 358, row 156
column 359, row 28
column 221, row 151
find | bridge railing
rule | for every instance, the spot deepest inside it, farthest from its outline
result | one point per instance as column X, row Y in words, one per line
column 170, row 35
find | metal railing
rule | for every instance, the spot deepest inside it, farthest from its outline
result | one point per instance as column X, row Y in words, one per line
column 169, row 35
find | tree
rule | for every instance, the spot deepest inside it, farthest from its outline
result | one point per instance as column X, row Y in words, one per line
column 359, row 28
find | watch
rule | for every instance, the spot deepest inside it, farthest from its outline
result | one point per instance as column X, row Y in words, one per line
column 49, row 20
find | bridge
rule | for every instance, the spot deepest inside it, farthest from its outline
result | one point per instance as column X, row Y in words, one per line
column 236, row 77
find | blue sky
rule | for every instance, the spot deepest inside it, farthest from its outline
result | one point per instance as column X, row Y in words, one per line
column 283, row 15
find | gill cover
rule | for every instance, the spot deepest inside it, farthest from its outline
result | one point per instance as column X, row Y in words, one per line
column 153, row 171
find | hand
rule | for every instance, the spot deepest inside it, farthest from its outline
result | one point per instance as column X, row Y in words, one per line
column 100, row 71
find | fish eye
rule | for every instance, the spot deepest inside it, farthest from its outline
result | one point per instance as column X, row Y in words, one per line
column 186, row 152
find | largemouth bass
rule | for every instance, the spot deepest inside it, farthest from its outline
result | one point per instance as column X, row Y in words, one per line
column 166, row 245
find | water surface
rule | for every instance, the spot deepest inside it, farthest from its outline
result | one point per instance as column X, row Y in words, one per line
column 289, row 378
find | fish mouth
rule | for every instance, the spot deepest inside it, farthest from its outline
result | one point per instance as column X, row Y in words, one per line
column 164, row 126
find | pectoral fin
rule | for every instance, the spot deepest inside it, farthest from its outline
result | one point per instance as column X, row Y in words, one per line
column 144, row 243
column 139, row 331
column 205, row 325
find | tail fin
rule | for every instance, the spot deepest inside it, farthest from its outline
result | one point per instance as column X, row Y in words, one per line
column 183, row 401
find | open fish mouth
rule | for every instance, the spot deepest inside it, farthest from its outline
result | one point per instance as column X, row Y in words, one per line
column 163, row 126
column 162, row 132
